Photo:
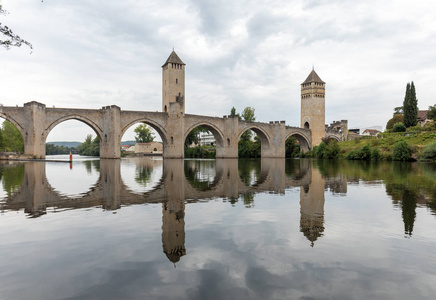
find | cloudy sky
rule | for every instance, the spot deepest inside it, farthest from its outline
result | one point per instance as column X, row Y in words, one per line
column 89, row 54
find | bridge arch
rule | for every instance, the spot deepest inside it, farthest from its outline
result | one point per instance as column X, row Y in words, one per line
column 333, row 136
column 98, row 131
column 261, row 133
column 13, row 121
column 159, row 129
column 217, row 133
column 305, row 144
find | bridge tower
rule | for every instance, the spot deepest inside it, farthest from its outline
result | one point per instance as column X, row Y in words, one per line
column 173, row 85
column 313, row 106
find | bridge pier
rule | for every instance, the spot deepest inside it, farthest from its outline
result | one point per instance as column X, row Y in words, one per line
column 110, row 141
column 33, row 129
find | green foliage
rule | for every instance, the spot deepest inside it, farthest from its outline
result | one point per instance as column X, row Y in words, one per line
column 200, row 152
column 429, row 151
column 431, row 113
column 246, row 146
column 194, row 136
column 376, row 154
column 395, row 119
column 51, row 149
column 329, row 150
column 11, row 139
column 410, row 105
column 399, row 127
column 399, row 110
column 91, row 147
column 363, row 153
column 292, row 147
column 402, row 151
column 143, row 134
column 429, row 126
column 248, row 114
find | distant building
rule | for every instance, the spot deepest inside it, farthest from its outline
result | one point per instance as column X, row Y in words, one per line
column 422, row 117
column 206, row 138
column 355, row 131
column 371, row 132
column 148, row 148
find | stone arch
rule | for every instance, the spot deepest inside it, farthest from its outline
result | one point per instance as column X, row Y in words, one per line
column 13, row 121
column 305, row 144
column 333, row 136
column 306, row 125
column 217, row 133
column 261, row 133
column 82, row 119
column 160, row 130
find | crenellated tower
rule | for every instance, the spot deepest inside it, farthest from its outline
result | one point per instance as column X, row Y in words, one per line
column 313, row 106
column 173, row 85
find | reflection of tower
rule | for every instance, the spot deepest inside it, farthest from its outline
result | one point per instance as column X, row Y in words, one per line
column 173, row 211
column 312, row 208
column 313, row 107
column 173, row 85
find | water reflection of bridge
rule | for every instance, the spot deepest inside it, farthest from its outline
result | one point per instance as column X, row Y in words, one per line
column 183, row 181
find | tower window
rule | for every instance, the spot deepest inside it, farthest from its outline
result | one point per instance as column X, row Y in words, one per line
column 177, row 81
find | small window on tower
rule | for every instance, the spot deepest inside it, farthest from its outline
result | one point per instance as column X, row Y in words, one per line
column 177, row 81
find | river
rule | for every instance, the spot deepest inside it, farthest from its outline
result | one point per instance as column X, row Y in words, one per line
column 147, row 228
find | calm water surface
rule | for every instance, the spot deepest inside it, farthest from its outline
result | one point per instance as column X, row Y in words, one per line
column 217, row 229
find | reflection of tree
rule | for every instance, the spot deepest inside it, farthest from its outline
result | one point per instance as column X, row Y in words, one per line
column 248, row 199
column 12, row 178
column 249, row 171
column 408, row 210
column 143, row 175
column 92, row 164
column 200, row 174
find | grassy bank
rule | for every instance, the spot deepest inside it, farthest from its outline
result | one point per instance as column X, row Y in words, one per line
column 388, row 146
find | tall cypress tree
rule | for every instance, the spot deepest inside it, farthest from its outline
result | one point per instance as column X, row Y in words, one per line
column 408, row 107
column 414, row 104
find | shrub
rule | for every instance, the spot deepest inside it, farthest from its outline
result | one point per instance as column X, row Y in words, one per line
column 376, row 154
column 430, row 126
column 399, row 127
column 375, row 142
column 319, row 150
column 429, row 151
column 365, row 153
column 402, row 151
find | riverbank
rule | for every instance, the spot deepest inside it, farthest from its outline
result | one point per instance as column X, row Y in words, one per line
column 387, row 146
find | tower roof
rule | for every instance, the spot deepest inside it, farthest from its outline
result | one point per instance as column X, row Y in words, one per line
column 313, row 77
column 174, row 58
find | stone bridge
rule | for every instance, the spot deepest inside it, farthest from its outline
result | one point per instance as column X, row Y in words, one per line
column 36, row 194
column 35, row 121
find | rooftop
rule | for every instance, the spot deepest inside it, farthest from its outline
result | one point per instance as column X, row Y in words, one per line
column 313, row 77
column 174, row 58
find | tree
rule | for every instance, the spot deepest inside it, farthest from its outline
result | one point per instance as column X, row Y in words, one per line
column 248, row 114
column 233, row 112
column 431, row 113
column 91, row 147
column 398, row 110
column 11, row 138
column 410, row 105
column 194, row 136
column 143, row 134
column 395, row 119
column 399, row 127
column 10, row 39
